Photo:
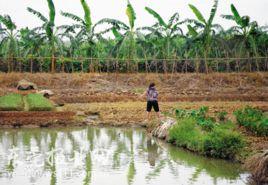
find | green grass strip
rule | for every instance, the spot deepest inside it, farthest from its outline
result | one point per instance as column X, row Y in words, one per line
column 11, row 102
column 36, row 102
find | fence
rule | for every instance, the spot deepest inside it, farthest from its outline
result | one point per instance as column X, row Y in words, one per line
column 149, row 65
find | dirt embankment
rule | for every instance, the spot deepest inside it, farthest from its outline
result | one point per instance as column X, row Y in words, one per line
column 36, row 119
column 86, row 88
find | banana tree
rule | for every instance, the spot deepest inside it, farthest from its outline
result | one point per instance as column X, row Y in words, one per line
column 9, row 42
column 202, row 31
column 50, row 33
column 30, row 43
column 125, row 36
column 86, row 31
column 167, row 33
column 86, row 36
column 245, row 31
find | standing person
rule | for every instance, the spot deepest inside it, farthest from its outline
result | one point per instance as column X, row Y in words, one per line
column 152, row 100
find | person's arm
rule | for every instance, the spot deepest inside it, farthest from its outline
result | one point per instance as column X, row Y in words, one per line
column 144, row 94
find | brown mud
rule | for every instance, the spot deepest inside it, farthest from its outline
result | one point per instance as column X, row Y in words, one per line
column 88, row 88
column 12, row 119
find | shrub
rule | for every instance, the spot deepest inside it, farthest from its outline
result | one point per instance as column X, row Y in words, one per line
column 11, row 102
column 36, row 102
column 197, row 114
column 222, row 115
column 206, row 124
column 198, row 132
column 200, row 115
column 222, row 143
column 253, row 119
column 248, row 116
column 186, row 134
column 219, row 142
column 262, row 127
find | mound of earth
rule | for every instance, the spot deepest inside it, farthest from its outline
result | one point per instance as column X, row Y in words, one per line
column 26, row 85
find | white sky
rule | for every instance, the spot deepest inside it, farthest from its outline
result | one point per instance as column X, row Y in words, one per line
column 256, row 9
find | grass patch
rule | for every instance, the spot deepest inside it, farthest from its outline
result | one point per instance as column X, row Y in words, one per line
column 36, row 102
column 11, row 102
column 198, row 132
column 253, row 120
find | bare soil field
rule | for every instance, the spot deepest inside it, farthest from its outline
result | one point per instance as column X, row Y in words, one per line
column 88, row 87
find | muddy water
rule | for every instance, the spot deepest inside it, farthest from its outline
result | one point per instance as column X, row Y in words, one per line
column 104, row 156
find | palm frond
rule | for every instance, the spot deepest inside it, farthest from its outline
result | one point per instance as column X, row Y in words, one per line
column 228, row 17
column 87, row 15
column 72, row 16
column 52, row 12
column 237, row 17
column 157, row 16
column 116, row 34
column 113, row 22
column 7, row 21
column 192, row 31
column 131, row 15
column 213, row 12
column 38, row 14
column 198, row 14
column 173, row 19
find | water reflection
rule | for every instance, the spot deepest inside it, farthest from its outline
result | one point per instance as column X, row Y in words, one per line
column 101, row 156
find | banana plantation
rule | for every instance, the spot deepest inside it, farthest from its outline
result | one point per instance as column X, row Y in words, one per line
column 110, row 45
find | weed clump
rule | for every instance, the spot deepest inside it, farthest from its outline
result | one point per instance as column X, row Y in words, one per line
column 253, row 120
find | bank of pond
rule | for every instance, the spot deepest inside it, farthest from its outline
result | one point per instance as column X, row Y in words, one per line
column 216, row 136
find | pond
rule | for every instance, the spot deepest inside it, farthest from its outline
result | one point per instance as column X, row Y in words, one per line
column 104, row 156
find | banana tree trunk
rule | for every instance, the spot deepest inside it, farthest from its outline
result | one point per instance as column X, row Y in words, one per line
column 206, row 62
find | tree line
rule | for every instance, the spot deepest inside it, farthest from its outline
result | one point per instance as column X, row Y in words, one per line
column 164, row 46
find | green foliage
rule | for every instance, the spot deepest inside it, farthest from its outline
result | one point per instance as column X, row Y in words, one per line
column 157, row 16
column 236, row 15
column 187, row 134
column 36, row 102
column 11, row 102
column 200, row 133
column 198, row 114
column 206, row 123
column 87, row 14
column 248, row 115
column 131, row 14
column 130, row 48
column 223, row 143
column 198, row 14
column 222, row 115
column 7, row 21
column 253, row 119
